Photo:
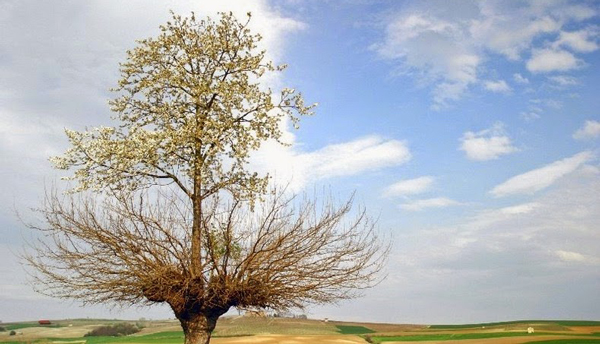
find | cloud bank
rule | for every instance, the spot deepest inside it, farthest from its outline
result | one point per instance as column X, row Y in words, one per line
column 447, row 44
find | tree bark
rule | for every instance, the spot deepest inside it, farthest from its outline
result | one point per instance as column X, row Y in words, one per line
column 198, row 328
column 196, row 254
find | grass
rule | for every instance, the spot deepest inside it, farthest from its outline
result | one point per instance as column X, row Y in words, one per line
column 448, row 336
column 577, row 323
column 557, row 322
column 568, row 341
column 485, row 335
column 348, row 329
column 171, row 337
column 19, row 326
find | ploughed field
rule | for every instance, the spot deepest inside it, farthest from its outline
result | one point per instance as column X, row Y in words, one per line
column 240, row 330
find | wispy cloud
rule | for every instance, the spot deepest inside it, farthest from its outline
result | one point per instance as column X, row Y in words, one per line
column 590, row 130
column 541, row 178
column 564, row 80
column 569, row 256
column 409, row 187
column 422, row 204
column 499, row 86
column 581, row 41
column 551, row 242
column 424, row 43
column 348, row 158
column 520, row 79
column 450, row 51
column 289, row 165
column 551, row 60
column 487, row 144
column 529, row 116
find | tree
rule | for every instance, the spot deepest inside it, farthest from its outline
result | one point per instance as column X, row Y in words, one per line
column 165, row 208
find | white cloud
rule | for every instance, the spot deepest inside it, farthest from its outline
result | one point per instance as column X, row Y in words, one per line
column 439, row 202
column 524, row 208
column 497, row 86
column 291, row 166
column 429, row 44
column 409, row 187
column 541, row 178
column 520, row 79
column 590, row 130
column 448, row 45
column 551, row 60
column 529, row 116
column 495, row 245
column 365, row 154
column 581, row 41
column 564, row 80
column 512, row 35
column 569, row 256
column 548, row 103
column 488, row 144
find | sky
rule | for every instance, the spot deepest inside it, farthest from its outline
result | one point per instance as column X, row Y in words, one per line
column 470, row 129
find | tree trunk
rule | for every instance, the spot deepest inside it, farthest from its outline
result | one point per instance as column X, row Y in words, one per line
column 198, row 328
column 196, row 254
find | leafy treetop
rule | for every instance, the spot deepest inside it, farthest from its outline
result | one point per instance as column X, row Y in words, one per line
column 192, row 109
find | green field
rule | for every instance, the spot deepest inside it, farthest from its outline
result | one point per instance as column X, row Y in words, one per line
column 353, row 329
column 517, row 322
column 231, row 329
column 463, row 336
column 19, row 326
column 569, row 341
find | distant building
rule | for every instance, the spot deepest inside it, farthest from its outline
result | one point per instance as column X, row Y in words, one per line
column 44, row 322
column 530, row 329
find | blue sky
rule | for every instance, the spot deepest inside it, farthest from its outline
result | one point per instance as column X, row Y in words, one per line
column 471, row 129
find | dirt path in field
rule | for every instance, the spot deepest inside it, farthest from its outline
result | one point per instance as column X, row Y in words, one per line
column 286, row 339
column 504, row 340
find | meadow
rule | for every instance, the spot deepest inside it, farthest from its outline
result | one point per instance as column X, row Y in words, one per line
column 238, row 330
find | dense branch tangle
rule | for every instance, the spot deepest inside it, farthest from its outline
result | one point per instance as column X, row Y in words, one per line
column 135, row 248
column 182, row 220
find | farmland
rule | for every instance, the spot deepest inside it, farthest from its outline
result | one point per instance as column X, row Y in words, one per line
column 238, row 330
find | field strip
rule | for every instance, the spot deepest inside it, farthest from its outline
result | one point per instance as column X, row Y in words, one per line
column 501, row 340
column 292, row 339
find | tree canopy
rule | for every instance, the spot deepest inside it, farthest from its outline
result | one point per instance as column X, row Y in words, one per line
column 191, row 108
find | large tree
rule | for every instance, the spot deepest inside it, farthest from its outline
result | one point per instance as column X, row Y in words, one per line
column 165, row 208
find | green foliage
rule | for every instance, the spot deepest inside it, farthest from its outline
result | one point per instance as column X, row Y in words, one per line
column 12, row 333
column 2, row 329
column 122, row 329
column 348, row 329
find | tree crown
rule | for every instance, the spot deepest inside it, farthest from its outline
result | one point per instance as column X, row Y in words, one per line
column 191, row 109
